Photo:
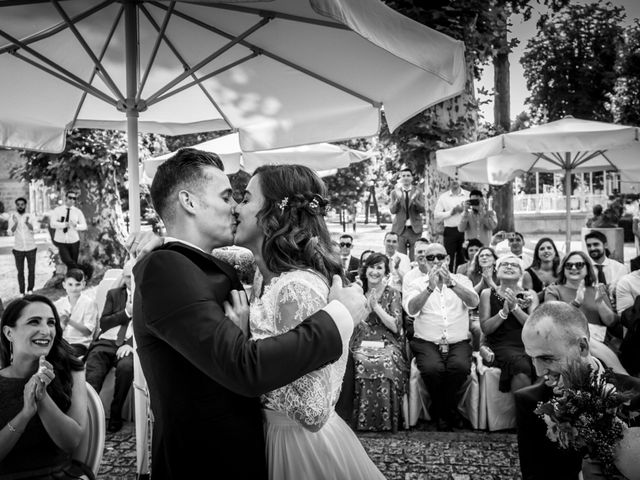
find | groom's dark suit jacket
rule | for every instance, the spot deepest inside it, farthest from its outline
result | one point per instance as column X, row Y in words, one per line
column 540, row 458
column 203, row 374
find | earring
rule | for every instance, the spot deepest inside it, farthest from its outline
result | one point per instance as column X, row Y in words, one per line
column 10, row 352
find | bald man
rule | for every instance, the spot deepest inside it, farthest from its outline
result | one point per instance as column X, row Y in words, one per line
column 440, row 302
column 555, row 336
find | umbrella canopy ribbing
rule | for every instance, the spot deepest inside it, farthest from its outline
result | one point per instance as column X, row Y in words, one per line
column 281, row 73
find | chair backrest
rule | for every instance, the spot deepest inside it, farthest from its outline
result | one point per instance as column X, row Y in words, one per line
column 91, row 446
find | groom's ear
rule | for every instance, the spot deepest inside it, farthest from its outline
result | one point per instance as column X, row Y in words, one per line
column 185, row 199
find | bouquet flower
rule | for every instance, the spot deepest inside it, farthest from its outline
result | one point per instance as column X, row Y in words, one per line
column 588, row 414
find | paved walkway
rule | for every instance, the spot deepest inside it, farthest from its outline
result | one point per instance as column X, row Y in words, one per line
column 409, row 455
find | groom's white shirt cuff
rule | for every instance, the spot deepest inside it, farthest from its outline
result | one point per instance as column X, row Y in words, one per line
column 342, row 318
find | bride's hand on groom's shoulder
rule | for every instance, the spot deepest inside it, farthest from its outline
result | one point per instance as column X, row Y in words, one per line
column 351, row 297
column 238, row 310
column 139, row 244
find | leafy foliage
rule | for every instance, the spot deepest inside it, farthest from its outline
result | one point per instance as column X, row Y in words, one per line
column 94, row 164
column 569, row 64
column 625, row 100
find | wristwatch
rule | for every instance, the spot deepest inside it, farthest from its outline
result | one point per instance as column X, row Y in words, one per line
column 452, row 283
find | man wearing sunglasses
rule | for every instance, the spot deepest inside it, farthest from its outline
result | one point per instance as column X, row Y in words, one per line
column 440, row 302
column 68, row 220
column 350, row 264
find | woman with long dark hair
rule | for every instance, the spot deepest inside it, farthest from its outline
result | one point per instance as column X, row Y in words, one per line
column 43, row 411
column 544, row 267
column 281, row 220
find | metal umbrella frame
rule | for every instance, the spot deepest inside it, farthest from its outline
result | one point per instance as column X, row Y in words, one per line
column 280, row 72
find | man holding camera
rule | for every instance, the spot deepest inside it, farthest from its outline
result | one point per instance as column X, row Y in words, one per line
column 448, row 210
column 440, row 302
column 477, row 220
column 68, row 220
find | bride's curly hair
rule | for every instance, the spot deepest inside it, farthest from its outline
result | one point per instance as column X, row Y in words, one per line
column 292, row 219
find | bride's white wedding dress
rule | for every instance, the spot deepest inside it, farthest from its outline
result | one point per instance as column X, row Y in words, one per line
column 305, row 438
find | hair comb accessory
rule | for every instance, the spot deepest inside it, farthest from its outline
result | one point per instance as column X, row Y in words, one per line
column 318, row 205
column 283, row 204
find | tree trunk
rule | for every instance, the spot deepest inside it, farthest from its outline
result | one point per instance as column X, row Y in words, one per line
column 503, row 196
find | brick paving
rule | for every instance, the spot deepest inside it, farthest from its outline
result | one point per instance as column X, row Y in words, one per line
column 417, row 454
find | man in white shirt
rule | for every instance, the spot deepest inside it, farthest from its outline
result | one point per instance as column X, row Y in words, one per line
column 440, row 302
column 114, row 347
column 399, row 263
column 449, row 208
column 68, row 220
column 21, row 225
column 627, row 289
column 511, row 243
column 608, row 271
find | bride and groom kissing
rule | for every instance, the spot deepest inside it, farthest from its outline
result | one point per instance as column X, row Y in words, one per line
column 237, row 395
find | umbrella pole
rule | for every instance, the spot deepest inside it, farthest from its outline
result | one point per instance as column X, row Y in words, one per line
column 131, row 39
column 134, row 173
column 567, row 192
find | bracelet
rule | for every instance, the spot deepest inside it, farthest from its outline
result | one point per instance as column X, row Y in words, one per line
column 12, row 429
column 575, row 304
column 502, row 315
column 429, row 290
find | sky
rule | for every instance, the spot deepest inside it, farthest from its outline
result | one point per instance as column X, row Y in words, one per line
column 524, row 31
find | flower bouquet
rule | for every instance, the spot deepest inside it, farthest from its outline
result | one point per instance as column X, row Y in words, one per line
column 588, row 415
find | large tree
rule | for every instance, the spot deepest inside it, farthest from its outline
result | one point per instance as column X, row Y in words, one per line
column 570, row 64
column 625, row 101
column 94, row 164
column 483, row 25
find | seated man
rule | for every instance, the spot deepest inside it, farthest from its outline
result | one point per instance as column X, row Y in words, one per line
column 113, row 348
column 440, row 302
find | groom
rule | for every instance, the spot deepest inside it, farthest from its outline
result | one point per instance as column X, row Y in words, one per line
column 204, row 375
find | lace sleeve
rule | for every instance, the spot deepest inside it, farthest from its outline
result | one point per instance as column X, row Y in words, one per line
column 308, row 400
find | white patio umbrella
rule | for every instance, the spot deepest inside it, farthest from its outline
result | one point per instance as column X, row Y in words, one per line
column 281, row 72
column 321, row 157
column 565, row 145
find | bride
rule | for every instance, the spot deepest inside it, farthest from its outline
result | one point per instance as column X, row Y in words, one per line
column 281, row 220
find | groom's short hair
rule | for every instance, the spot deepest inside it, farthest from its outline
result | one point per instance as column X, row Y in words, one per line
column 570, row 323
column 182, row 170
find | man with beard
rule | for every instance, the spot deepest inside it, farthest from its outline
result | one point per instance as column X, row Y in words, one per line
column 21, row 226
column 608, row 271
column 555, row 336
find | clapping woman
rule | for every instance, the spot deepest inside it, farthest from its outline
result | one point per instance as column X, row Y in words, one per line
column 378, row 352
column 43, row 411
column 544, row 267
column 483, row 270
column 577, row 285
column 503, row 311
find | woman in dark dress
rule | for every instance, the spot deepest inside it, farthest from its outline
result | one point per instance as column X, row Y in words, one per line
column 503, row 311
column 43, row 411
column 378, row 352
column 544, row 267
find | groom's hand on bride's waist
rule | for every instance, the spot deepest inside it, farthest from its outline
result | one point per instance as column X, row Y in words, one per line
column 351, row 297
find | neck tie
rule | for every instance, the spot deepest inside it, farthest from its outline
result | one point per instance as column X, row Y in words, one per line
column 406, row 201
column 345, row 264
column 601, row 277
column 122, row 332
column 66, row 219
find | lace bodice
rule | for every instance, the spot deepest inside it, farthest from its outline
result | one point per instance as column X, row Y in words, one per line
column 285, row 302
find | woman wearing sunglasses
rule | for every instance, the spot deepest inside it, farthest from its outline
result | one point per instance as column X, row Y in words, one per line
column 482, row 272
column 577, row 286
column 503, row 311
